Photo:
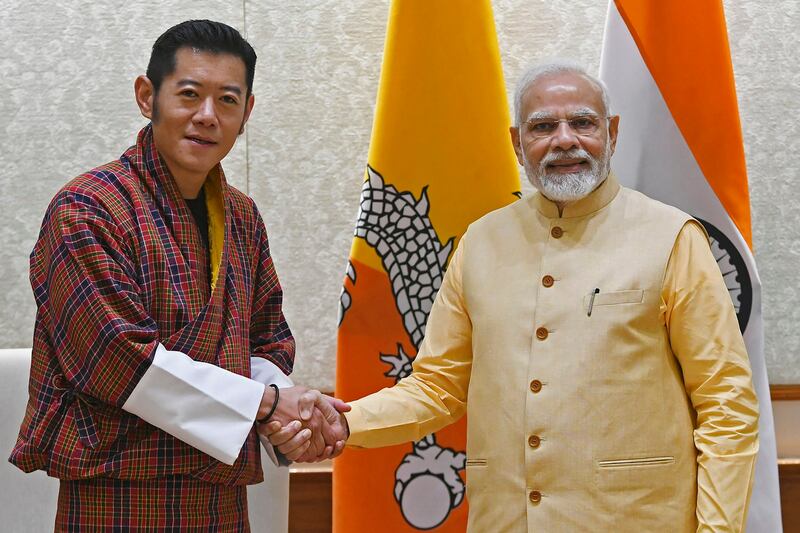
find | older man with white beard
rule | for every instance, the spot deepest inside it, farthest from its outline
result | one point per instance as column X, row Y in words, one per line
column 588, row 334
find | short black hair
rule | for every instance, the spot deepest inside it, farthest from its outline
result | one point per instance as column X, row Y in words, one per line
column 202, row 36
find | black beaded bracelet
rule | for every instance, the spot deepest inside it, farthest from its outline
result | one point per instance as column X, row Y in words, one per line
column 266, row 417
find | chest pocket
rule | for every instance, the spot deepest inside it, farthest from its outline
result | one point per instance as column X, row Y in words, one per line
column 633, row 296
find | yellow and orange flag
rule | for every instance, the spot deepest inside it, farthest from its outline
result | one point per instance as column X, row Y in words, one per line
column 668, row 69
column 440, row 157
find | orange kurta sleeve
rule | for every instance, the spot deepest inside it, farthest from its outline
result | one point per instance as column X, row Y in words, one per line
column 435, row 394
column 705, row 337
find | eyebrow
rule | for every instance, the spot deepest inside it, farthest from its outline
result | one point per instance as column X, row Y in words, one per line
column 189, row 81
column 580, row 112
column 585, row 111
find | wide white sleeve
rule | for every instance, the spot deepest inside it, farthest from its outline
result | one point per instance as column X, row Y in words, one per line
column 267, row 372
column 205, row 406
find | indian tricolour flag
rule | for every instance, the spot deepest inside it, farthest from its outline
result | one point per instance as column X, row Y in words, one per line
column 668, row 69
column 440, row 157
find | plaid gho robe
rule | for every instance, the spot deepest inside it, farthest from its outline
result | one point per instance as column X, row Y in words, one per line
column 118, row 268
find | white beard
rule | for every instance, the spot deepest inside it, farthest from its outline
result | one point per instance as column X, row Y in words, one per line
column 568, row 187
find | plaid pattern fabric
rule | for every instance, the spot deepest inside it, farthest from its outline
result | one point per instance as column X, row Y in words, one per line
column 169, row 504
column 117, row 269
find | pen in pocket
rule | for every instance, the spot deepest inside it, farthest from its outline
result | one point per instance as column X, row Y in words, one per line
column 591, row 300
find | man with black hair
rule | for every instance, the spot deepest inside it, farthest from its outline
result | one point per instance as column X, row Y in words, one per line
column 160, row 343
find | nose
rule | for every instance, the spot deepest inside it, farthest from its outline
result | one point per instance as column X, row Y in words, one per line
column 564, row 137
column 206, row 114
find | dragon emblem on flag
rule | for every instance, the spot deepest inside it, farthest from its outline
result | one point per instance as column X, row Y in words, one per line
column 395, row 224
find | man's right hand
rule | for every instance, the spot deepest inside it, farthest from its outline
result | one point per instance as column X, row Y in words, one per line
column 332, row 410
column 306, row 424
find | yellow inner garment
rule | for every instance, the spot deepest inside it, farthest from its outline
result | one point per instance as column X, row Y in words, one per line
column 216, row 222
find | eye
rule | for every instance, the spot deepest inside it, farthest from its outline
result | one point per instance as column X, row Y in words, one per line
column 583, row 124
column 189, row 93
column 229, row 99
column 542, row 126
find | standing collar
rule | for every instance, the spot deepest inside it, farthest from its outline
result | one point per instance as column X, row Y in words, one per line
column 595, row 201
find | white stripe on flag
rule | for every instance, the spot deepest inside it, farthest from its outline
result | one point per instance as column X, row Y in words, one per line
column 653, row 157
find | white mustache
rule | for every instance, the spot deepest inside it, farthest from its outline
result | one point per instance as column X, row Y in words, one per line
column 573, row 153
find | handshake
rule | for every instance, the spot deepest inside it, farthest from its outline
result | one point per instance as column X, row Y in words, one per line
column 303, row 424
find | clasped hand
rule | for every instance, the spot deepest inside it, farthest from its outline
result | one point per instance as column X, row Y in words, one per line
column 307, row 426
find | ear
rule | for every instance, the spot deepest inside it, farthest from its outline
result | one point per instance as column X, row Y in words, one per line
column 515, row 142
column 143, row 89
column 251, row 101
column 613, row 130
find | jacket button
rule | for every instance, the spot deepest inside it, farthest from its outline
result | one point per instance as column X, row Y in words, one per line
column 536, row 386
column 542, row 333
column 534, row 441
column 548, row 281
column 556, row 232
column 535, row 496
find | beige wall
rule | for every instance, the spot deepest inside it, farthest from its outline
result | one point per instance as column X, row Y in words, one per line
column 67, row 105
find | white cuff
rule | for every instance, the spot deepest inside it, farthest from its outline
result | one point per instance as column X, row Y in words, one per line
column 267, row 372
column 205, row 406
